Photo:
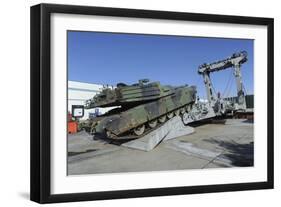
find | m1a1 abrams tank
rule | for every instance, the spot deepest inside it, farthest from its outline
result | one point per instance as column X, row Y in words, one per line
column 139, row 108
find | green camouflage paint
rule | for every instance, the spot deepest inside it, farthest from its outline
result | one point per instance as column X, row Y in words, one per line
column 140, row 103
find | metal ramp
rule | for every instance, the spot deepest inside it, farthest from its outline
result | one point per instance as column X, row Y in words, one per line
column 171, row 129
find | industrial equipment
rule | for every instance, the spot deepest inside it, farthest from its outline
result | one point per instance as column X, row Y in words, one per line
column 219, row 105
column 72, row 124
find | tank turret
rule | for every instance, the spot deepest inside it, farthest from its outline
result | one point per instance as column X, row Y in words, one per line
column 123, row 94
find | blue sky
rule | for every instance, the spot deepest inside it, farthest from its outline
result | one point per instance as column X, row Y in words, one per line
column 110, row 58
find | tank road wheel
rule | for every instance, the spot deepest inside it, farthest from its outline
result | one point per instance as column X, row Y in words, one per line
column 162, row 119
column 170, row 115
column 186, row 118
column 139, row 130
column 152, row 123
column 92, row 130
column 187, row 108
column 177, row 112
column 109, row 134
column 182, row 110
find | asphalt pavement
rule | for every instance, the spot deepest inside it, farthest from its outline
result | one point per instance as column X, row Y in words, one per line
column 211, row 146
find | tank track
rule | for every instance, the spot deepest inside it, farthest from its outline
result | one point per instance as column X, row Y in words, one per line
column 148, row 127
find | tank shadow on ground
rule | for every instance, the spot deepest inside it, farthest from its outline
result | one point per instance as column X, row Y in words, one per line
column 248, row 121
column 240, row 155
column 77, row 153
column 117, row 142
column 213, row 120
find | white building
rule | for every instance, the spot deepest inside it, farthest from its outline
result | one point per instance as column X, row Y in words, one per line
column 79, row 92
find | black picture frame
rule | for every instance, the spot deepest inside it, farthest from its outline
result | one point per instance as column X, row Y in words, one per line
column 41, row 97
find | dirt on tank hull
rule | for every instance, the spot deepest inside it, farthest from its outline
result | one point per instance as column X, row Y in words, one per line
column 140, row 108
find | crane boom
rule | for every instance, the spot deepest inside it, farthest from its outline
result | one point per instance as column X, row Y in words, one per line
column 235, row 61
column 232, row 61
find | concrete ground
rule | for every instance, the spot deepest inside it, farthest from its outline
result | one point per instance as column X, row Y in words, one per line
column 211, row 146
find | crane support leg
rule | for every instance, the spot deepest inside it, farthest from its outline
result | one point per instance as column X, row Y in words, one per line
column 210, row 94
column 239, row 84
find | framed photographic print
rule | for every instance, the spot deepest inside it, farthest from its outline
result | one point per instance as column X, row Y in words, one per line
column 132, row 103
